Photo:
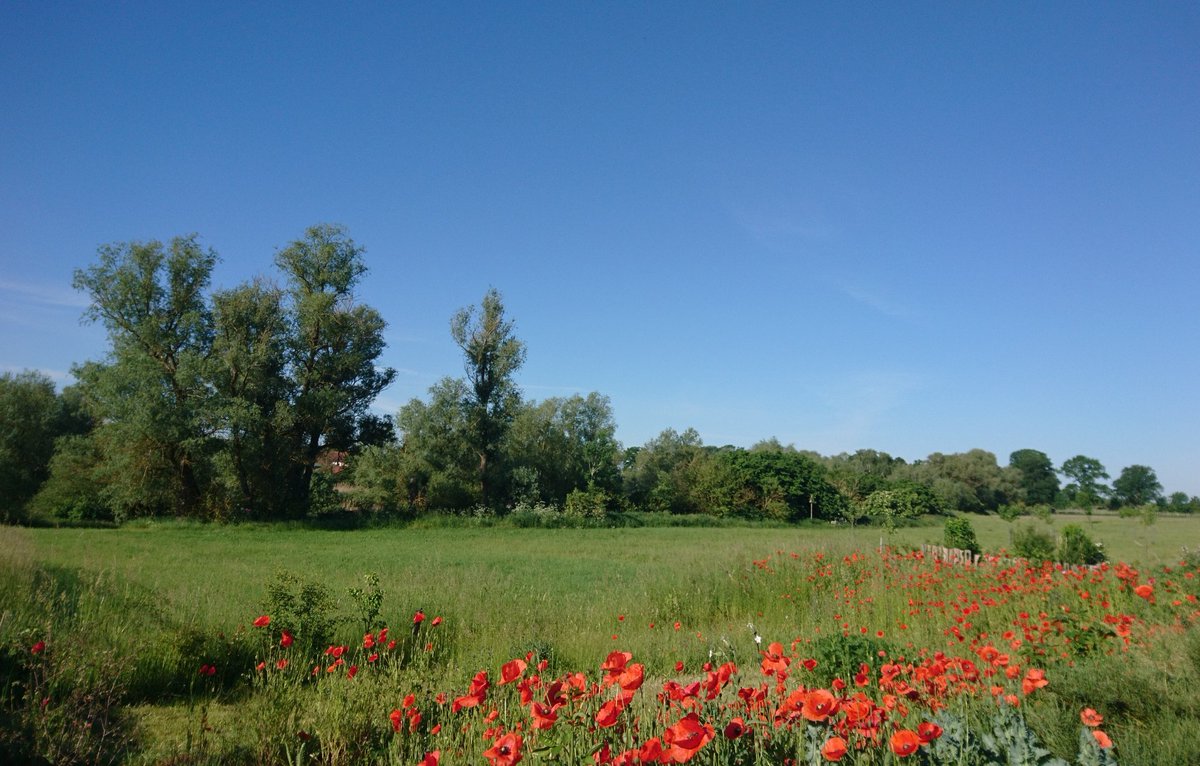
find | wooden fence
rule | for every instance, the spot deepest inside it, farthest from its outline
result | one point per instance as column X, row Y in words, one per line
column 951, row 555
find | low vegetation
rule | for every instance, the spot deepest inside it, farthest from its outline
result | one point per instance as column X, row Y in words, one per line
column 736, row 645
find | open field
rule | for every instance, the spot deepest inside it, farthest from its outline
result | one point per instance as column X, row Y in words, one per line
column 142, row 608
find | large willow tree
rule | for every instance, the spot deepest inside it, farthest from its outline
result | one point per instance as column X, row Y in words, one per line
column 208, row 405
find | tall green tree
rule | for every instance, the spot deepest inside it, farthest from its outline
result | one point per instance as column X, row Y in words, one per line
column 151, row 395
column 492, row 355
column 1037, row 478
column 1137, row 485
column 333, row 344
column 251, row 408
column 1086, row 474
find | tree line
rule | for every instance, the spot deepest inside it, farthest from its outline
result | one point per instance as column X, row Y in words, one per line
column 228, row 404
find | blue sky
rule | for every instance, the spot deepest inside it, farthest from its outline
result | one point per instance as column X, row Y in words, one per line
column 912, row 227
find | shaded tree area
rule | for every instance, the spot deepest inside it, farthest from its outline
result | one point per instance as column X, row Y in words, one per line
column 33, row 417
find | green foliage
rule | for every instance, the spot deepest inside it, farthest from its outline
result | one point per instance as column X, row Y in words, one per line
column 1028, row 542
column 1011, row 512
column 74, row 490
column 218, row 406
column 1036, row 476
column 331, row 349
column 655, row 473
column 1137, row 485
column 30, row 416
column 970, row 482
column 857, row 476
column 305, row 608
column 378, row 480
column 591, row 503
column 492, row 355
column 567, row 444
column 368, row 601
column 902, row 502
column 1076, row 547
column 1087, row 474
column 958, row 533
column 841, row 656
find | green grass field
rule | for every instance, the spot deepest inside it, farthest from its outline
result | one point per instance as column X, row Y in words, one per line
column 156, row 600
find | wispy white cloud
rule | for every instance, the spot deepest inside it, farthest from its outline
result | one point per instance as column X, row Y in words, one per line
column 874, row 300
column 782, row 227
column 42, row 294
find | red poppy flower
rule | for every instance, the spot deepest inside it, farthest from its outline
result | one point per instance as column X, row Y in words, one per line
column 685, row 738
column 262, row 622
column 735, row 729
column 506, row 751
column 610, row 711
column 650, row 752
column 905, row 742
column 1101, row 739
column 38, row 648
column 1145, row 591
column 511, row 671
column 1091, row 717
column 543, row 716
column 928, row 731
column 819, row 704
column 834, row 749
column 774, row 662
column 1034, row 679
column 396, row 716
column 631, row 677
column 419, row 617
column 436, row 621
column 431, row 759
column 281, row 663
column 286, row 639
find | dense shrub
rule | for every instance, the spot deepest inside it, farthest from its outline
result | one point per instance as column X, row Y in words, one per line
column 960, row 534
column 1031, row 543
column 1076, row 547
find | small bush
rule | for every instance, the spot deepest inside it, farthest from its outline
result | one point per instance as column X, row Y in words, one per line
column 304, row 608
column 1076, row 547
column 1010, row 512
column 1031, row 543
column 960, row 534
column 591, row 503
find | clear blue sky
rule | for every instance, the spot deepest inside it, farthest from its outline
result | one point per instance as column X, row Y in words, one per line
column 913, row 227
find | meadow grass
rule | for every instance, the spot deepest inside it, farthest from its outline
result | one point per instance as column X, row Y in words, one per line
column 155, row 600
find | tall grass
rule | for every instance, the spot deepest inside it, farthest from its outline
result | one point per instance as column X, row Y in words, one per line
column 131, row 614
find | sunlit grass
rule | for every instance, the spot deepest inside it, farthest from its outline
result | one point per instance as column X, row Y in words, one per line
column 165, row 597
